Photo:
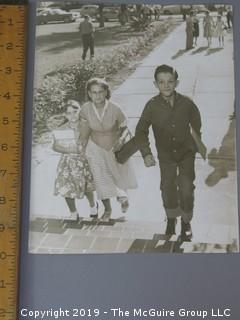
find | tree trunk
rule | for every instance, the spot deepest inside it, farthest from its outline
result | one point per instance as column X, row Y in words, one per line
column 101, row 16
column 139, row 10
column 123, row 14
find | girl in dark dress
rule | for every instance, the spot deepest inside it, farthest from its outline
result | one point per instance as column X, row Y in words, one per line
column 195, row 29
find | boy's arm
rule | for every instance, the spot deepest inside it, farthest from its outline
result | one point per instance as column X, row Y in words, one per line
column 142, row 139
column 195, row 120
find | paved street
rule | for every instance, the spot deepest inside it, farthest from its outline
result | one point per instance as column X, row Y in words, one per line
column 207, row 77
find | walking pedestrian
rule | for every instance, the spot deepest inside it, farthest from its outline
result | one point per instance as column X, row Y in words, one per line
column 229, row 18
column 86, row 29
column 189, row 31
column 105, row 123
column 220, row 30
column 74, row 179
column 156, row 13
column 171, row 116
column 208, row 26
column 195, row 29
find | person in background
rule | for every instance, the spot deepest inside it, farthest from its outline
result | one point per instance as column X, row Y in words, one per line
column 189, row 31
column 208, row 26
column 74, row 179
column 172, row 116
column 220, row 30
column 229, row 18
column 195, row 29
column 86, row 30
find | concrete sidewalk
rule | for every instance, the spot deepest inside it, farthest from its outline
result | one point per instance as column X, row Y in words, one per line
column 205, row 75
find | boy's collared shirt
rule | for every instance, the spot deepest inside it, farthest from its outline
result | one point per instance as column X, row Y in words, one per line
column 86, row 27
column 171, row 127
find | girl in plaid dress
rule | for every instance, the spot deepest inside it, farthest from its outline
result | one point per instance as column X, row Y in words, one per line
column 74, row 179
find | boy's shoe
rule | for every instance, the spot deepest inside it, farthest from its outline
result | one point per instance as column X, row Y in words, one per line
column 124, row 206
column 186, row 231
column 94, row 211
column 171, row 225
column 106, row 217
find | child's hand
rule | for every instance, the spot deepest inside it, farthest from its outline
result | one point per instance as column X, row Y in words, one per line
column 118, row 145
column 149, row 161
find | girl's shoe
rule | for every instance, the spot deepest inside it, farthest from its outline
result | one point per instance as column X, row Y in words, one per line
column 94, row 211
column 186, row 231
column 106, row 217
column 124, row 203
column 125, row 206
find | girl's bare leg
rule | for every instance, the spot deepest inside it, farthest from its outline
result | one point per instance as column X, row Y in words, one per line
column 108, row 210
column 90, row 197
column 72, row 208
column 93, row 204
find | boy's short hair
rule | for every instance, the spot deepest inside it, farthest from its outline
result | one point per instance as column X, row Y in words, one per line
column 165, row 69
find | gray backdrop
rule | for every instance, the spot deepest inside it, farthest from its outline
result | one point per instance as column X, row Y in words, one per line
column 169, row 281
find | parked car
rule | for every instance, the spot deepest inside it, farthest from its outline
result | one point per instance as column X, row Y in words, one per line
column 172, row 9
column 111, row 13
column 90, row 10
column 54, row 15
column 76, row 14
column 199, row 8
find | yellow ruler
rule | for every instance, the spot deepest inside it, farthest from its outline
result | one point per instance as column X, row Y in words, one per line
column 12, row 74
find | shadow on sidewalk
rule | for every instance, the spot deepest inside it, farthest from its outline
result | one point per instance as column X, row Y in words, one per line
column 179, row 54
column 199, row 50
column 223, row 160
column 59, row 226
column 164, row 244
column 213, row 50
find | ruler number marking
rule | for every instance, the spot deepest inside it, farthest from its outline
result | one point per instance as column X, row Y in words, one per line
column 3, row 200
column 9, row 46
column 3, row 255
column 10, row 23
column 2, row 313
column 5, row 121
column 7, row 96
column 8, row 70
column 3, row 172
column 4, row 147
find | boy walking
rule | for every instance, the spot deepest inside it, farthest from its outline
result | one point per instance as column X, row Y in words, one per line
column 172, row 116
column 87, row 33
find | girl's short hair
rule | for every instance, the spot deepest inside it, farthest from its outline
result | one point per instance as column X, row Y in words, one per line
column 100, row 82
column 165, row 69
column 74, row 104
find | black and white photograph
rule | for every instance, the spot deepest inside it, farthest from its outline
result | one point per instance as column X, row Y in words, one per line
column 133, row 129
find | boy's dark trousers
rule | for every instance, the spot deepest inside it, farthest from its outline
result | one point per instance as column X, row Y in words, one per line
column 88, row 42
column 177, row 187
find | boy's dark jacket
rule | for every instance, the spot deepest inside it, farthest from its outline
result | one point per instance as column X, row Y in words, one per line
column 171, row 127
